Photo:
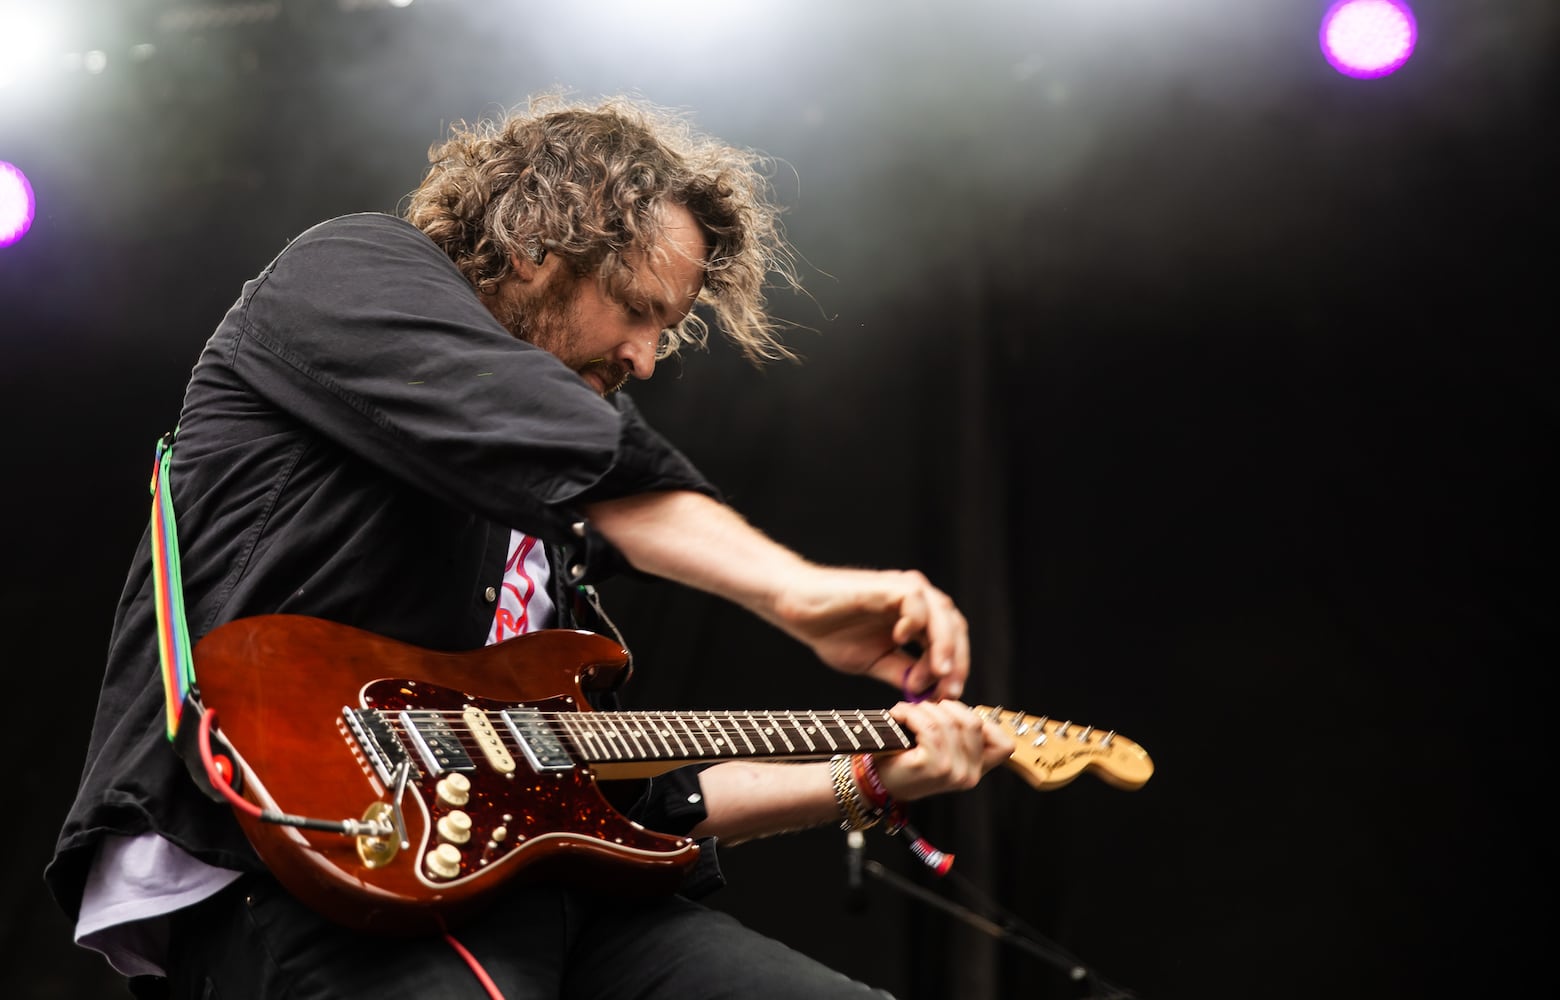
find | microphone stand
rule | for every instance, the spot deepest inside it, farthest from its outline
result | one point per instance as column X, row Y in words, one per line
column 1031, row 943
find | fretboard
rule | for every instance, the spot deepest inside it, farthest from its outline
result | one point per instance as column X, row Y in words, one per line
column 635, row 737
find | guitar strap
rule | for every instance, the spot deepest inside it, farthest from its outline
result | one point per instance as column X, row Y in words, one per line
column 177, row 666
column 176, row 662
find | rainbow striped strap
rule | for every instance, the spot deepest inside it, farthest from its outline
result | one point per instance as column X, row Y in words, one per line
column 173, row 634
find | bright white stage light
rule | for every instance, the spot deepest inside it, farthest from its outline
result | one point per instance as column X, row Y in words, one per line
column 28, row 40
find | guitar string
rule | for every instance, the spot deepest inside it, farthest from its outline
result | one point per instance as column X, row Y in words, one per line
column 711, row 722
column 641, row 726
column 602, row 726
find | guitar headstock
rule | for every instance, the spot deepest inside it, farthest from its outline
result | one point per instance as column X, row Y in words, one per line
column 1049, row 753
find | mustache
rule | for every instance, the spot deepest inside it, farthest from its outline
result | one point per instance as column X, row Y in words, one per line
column 613, row 376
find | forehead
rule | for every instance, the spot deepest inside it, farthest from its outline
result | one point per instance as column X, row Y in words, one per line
column 673, row 269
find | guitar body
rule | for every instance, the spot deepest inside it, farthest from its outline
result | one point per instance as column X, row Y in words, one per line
column 279, row 684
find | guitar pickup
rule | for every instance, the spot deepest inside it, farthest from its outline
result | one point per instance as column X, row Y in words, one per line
column 537, row 740
column 487, row 740
column 435, row 742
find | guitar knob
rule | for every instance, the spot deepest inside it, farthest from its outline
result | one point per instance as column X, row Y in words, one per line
column 455, row 828
column 454, row 790
column 443, row 861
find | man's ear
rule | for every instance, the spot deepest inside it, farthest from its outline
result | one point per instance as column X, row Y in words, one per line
column 524, row 267
column 534, row 269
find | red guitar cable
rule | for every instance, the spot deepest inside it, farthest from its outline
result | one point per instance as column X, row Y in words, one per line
column 476, row 967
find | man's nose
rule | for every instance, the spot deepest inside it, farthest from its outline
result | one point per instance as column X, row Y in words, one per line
column 639, row 356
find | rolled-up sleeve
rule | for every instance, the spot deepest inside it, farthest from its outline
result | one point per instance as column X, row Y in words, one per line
column 364, row 330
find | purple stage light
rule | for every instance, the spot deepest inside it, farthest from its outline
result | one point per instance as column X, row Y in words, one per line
column 1368, row 38
column 16, row 204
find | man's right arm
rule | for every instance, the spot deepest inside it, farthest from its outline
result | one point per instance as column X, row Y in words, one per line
column 856, row 621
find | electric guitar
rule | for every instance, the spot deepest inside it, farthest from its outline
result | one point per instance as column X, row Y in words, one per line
column 471, row 769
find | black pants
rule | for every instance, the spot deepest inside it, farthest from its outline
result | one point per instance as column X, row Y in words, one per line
column 254, row 940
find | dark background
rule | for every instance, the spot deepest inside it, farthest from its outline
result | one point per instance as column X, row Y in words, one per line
column 1210, row 382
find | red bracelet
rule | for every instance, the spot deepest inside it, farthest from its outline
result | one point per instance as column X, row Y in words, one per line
column 870, row 783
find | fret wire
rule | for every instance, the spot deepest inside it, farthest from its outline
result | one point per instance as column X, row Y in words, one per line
column 605, row 730
column 618, row 741
column 691, row 737
column 823, row 730
column 802, row 732
column 637, row 728
column 682, row 749
column 582, row 738
column 731, row 718
column 855, row 744
column 871, row 729
column 653, row 723
column 759, row 731
column 709, row 719
column 780, row 732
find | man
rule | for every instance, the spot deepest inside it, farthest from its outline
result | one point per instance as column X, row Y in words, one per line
column 412, row 426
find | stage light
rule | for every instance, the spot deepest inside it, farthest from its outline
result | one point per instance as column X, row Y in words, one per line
column 16, row 204
column 1368, row 38
column 27, row 42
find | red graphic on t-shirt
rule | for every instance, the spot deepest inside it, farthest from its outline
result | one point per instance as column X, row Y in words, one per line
column 506, row 624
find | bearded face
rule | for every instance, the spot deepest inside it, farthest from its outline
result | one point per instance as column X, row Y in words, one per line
column 548, row 317
column 606, row 335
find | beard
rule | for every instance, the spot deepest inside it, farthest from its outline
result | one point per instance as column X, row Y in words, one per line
column 545, row 318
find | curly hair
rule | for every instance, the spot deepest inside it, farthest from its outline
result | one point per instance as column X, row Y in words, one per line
column 590, row 182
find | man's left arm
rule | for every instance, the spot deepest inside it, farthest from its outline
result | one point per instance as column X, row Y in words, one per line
column 954, row 748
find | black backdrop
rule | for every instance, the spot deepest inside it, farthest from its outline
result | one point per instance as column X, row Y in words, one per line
column 1210, row 382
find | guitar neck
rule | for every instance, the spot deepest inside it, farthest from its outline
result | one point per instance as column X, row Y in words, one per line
column 638, row 744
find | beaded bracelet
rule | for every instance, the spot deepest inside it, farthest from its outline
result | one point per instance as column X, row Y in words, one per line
column 870, row 784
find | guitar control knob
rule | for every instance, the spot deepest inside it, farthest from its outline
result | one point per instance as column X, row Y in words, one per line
column 455, row 827
column 443, row 861
column 454, row 789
